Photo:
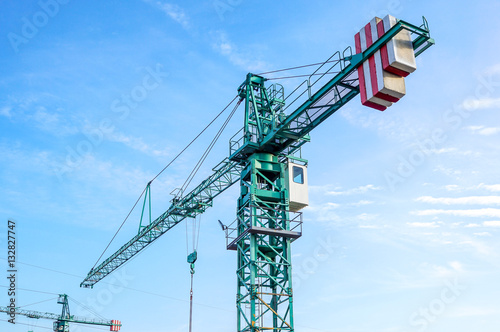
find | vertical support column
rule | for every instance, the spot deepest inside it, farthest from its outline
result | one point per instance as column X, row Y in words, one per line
column 264, row 297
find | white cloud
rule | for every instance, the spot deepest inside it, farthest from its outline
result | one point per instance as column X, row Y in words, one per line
column 361, row 203
column 423, row 224
column 479, row 200
column 482, row 234
column 448, row 171
column 443, row 150
column 325, row 211
column 366, row 216
column 396, row 127
column 484, row 103
column 372, row 226
column 495, row 69
column 490, row 131
column 45, row 118
column 452, row 187
column 5, row 111
column 136, row 144
column 489, row 187
column 485, row 131
column 493, row 223
column 357, row 190
column 457, row 266
column 472, row 225
column 490, row 212
column 451, row 270
column 171, row 10
column 470, row 311
column 245, row 60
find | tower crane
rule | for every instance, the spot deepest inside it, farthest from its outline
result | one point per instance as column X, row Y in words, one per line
column 62, row 321
column 265, row 158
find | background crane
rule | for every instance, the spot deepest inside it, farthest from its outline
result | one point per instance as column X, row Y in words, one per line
column 62, row 321
column 263, row 156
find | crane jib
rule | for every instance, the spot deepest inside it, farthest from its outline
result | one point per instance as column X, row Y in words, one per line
column 195, row 202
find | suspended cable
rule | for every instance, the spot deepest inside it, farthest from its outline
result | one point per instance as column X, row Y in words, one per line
column 170, row 163
column 191, row 305
column 296, row 76
column 199, row 228
column 187, row 239
column 27, row 305
column 44, row 268
column 87, row 308
column 208, row 150
column 30, row 290
column 108, row 283
column 88, row 326
column 119, row 228
column 194, row 139
column 298, row 67
column 42, row 327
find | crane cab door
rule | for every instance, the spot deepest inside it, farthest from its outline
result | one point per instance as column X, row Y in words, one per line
column 297, row 186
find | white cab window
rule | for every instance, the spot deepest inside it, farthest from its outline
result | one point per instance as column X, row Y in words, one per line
column 298, row 175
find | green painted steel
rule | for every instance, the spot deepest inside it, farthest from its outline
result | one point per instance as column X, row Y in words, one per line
column 287, row 136
column 61, row 321
column 264, row 293
column 197, row 201
column 264, row 228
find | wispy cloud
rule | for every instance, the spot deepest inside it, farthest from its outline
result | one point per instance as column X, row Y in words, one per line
column 447, row 170
column 432, row 224
column 136, row 143
column 479, row 200
column 452, row 187
column 5, row 111
column 492, row 223
column 450, row 270
column 488, row 187
column 246, row 60
column 484, row 103
column 325, row 212
column 460, row 213
column 361, row 203
column 454, row 151
column 396, row 127
column 483, row 130
column 173, row 11
column 472, row 311
column 354, row 191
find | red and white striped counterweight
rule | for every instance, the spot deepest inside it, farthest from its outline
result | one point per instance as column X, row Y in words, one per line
column 116, row 325
column 381, row 77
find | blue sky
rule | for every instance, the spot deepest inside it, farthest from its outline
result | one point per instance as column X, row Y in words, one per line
column 96, row 97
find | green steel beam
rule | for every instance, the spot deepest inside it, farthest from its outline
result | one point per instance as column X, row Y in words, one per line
column 197, row 201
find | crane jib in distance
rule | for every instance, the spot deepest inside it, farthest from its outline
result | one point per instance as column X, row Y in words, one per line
column 264, row 156
column 62, row 320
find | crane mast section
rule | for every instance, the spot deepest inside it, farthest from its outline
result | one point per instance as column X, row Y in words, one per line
column 195, row 202
column 289, row 135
